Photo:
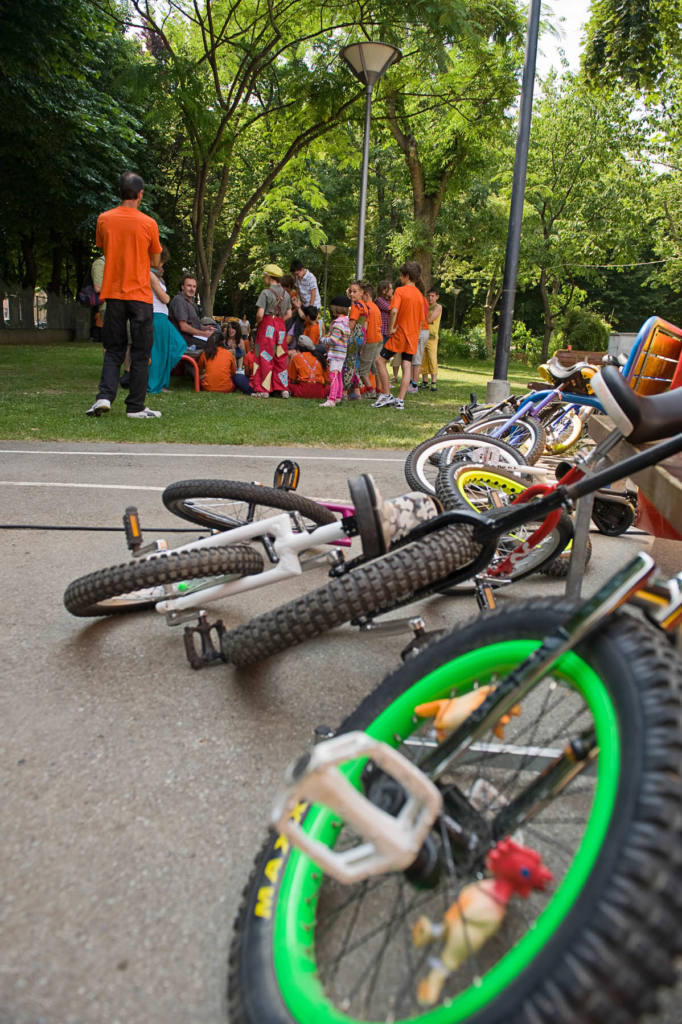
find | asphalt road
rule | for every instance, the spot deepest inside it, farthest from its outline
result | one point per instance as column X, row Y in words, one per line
column 134, row 790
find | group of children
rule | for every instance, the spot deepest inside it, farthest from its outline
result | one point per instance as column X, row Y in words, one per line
column 399, row 330
column 293, row 355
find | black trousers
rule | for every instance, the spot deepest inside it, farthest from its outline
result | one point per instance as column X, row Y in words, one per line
column 118, row 314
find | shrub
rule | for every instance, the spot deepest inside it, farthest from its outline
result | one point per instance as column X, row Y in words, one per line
column 585, row 330
column 524, row 344
column 455, row 345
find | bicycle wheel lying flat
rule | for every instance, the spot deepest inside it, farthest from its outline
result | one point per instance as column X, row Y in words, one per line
column 226, row 504
column 526, row 435
column 423, row 462
column 379, row 586
column 483, row 489
column 135, row 586
column 592, row 947
column 563, row 431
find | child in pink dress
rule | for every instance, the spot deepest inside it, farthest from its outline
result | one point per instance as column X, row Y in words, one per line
column 336, row 343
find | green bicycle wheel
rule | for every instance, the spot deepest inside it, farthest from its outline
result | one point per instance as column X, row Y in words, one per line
column 592, row 948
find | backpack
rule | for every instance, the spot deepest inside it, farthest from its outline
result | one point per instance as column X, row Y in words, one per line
column 87, row 295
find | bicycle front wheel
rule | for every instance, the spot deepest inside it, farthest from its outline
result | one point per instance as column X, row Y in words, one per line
column 226, row 504
column 484, row 488
column 135, row 586
column 591, row 947
column 396, row 578
column 423, row 463
column 526, row 435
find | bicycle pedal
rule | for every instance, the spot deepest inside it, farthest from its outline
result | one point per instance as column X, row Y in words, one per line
column 287, row 475
column 387, row 842
column 133, row 530
column 207, row 632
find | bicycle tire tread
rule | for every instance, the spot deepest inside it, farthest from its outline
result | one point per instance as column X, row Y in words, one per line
column 81, row 597
column 175, row 496
column 367, row 590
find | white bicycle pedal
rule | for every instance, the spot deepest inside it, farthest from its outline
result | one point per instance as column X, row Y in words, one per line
column 387, row 843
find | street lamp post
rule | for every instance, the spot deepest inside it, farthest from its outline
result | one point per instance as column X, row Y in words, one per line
column 498, row 388
column 456, row 292
column 327, row 250
column 369, row 62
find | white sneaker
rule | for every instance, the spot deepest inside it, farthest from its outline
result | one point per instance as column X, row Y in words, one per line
column 383, row 400
column 98, row 407
column 398, row 403
column 144, row 414
column 284, row 394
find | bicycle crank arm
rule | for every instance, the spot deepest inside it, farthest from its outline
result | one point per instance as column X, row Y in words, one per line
column 532, row 669
column 323, row 776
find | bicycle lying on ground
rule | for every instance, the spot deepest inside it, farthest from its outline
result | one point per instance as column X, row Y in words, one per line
column 400, row 562
column 492, row 837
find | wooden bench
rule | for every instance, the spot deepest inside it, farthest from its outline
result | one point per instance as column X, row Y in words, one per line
column 570, row 356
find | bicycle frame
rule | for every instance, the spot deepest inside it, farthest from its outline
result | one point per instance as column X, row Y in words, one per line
column 387, row 847
column 281, row 541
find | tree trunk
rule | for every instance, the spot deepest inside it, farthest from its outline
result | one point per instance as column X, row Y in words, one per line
column 492, row 298
column 549, row 319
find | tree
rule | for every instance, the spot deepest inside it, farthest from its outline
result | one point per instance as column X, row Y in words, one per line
column 587, row 176
column 442, row 109
column 65, row 136
column 632, row 40
column 252, row 86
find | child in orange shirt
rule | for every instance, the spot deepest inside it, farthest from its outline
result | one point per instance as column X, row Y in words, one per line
column 217, row 365
column 407, row 313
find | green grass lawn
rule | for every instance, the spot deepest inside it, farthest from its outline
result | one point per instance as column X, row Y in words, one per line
column 45, row 390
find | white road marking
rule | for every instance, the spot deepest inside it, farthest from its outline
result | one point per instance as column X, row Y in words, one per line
column 202, row 455
column 96, row 487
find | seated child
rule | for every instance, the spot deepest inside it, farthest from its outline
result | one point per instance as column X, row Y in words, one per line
column 306, row 376
column 217, row 365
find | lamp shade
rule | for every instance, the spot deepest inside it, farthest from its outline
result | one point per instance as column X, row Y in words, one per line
column 369, row 61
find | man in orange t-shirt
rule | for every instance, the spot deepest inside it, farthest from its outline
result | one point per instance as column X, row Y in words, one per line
column 408, row 311
column 131, row 246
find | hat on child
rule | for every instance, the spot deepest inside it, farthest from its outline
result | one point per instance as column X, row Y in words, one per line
column 273, row 270
column 341, row 300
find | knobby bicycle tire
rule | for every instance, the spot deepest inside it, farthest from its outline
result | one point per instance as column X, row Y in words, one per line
column 421, row 471
column 558, row 567
column 526, row 435
column 227, row 504
column 136, row 586
column 613, row 518
column 471, row 486
column 593, row 947
column 371, row 589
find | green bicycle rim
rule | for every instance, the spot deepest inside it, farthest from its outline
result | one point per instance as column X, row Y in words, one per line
column 294, row 926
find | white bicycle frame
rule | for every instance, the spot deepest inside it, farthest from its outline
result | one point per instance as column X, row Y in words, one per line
column 287, row 544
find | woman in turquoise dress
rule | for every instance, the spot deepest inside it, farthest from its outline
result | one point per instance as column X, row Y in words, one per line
column 169, row 345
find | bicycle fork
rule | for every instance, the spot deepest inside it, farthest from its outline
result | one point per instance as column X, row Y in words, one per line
column 315, row 777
